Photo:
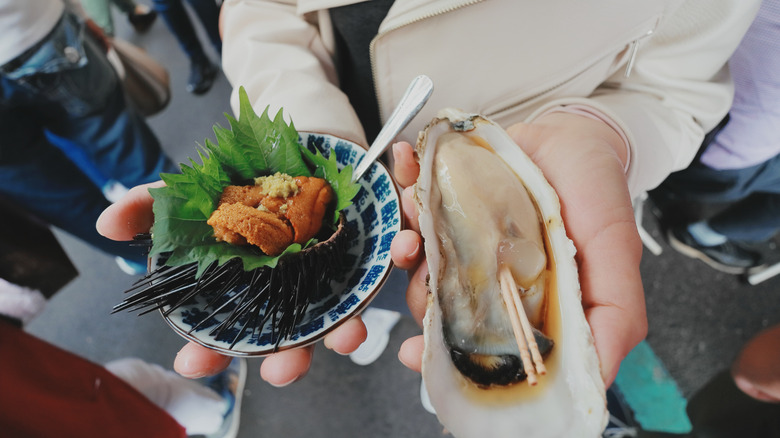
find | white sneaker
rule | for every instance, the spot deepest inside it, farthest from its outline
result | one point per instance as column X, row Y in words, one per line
column 379, row 323
column 230, row 385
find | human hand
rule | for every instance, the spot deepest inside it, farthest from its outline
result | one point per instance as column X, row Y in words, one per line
column 582, row 159
column 133, row 215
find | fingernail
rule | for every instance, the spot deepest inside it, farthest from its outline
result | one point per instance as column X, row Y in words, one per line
column 99, row 223
column 191, row 375
column 282, row 385
column 327, row 345
column 395, row 150
column 400, row 359
column 412, row 255
column 184, row 368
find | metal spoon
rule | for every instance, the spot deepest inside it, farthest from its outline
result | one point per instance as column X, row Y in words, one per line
column 411, row 103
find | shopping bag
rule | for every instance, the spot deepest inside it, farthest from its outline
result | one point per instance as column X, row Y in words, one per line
column 146, row 81
column 30, row 254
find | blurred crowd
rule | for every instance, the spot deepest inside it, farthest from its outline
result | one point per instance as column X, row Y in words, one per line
column 685, row 108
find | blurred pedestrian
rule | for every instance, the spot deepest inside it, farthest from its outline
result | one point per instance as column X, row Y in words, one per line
column 202, row 70
column 128, row 397
column 39, row 380
column 738, row 164
column 56, row 84
column 744, row 401
column 139, row 15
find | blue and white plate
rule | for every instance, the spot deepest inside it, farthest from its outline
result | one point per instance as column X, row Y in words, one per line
column 375, row 217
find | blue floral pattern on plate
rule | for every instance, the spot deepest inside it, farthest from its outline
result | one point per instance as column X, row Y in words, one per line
column 374, row 217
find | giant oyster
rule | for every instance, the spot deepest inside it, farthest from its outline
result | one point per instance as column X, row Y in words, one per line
column 483, row 205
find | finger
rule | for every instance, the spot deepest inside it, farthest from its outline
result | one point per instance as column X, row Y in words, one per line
column 411, row 353
column 283, row 368
column 409, row 207
column 347, row 337
column 405, row 165
column 612, row 292
column 417, row 292
column 195, row 361
column 130, row 215
column 614, row 334
column 406, row 249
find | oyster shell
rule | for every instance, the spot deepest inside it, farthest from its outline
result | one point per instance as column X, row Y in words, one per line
column 483, row 204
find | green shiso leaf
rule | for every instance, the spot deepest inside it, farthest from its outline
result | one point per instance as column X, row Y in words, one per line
column 253, row 146
column 341, row 182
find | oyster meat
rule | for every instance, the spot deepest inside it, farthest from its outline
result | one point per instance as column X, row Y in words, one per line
column 484, row 205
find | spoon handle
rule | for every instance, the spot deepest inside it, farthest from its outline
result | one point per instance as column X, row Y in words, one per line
column 411, row 103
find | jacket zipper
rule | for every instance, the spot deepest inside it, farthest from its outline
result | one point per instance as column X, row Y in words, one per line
column 635, row 49
column 404, row 24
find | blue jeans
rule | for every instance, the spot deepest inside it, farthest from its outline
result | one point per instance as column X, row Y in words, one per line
column 178, row 21
column 69, row 93
column 754, row 194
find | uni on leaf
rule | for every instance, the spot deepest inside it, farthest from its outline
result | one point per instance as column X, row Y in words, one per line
column 255, row 145
column 236, row 291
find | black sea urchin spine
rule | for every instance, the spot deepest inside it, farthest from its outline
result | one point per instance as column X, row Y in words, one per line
column 249, row 300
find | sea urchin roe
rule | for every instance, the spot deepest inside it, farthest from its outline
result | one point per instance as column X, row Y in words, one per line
column 241, row 224
column 272, row 214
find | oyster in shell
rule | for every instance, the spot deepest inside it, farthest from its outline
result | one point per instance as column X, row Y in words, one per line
column 483, row 205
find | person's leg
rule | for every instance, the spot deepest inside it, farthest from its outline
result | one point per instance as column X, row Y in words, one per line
column 100, row 12
column 175, row 16
column 202, row 71
column 126, row 6
column 40, row 179
column 718, row 240
column 208, row 13
column 87, row 111
column 699, row 183
column 757, row 217
column 140, row 16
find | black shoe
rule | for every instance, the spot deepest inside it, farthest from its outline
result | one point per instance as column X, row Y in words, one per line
column 728, row 257
column 670, row 209
column 143, row 21
column 202, row 76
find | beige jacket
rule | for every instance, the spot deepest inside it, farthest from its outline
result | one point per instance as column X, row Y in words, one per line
column 509, row 60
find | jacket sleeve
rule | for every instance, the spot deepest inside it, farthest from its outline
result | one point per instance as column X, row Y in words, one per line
column 279, row 57
column 679, row 87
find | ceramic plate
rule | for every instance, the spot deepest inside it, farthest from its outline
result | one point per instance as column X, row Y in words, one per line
column 375, row 215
